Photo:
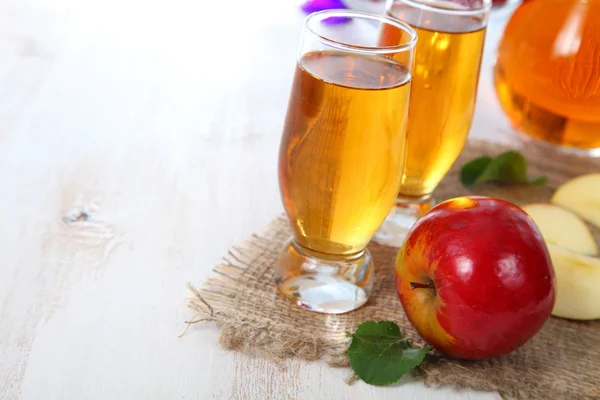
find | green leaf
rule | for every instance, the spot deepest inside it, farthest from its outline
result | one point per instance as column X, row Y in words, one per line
column 471, row 170
column 379, row 353
column 508, row 167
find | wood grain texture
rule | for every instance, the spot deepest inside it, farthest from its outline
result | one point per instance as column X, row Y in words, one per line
column 138, row 141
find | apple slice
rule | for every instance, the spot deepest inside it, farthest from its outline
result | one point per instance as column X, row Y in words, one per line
column 562, row 228
column 577, row 284
column 582, row 196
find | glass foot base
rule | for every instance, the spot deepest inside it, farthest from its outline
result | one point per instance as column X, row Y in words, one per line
column 401, row 218
column 322, row 284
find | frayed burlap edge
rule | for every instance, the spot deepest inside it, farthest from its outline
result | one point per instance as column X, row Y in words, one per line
column 247, row 334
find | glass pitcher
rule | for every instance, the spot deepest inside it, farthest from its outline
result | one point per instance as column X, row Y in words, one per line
column 547, row 75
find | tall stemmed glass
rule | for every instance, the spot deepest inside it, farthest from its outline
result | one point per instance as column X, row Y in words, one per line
column 444, row 88
column 342, row 154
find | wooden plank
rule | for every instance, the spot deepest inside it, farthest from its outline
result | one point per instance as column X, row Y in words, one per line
column 138, row 143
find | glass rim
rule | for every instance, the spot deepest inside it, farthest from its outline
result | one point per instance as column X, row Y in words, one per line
column 334, row 13
column 429, row 5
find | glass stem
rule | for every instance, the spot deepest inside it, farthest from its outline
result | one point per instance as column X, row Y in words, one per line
column 414, row 206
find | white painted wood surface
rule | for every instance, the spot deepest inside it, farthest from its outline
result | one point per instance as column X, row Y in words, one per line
column 160, row 120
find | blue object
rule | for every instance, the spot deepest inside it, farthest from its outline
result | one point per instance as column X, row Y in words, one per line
column 312, row 6
column 319, row 5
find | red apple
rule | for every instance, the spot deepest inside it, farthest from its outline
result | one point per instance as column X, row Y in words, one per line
column 475, row 278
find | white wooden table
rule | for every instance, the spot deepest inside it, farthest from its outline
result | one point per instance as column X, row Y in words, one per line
column 138, row 141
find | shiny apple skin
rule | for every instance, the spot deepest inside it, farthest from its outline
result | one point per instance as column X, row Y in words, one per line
column 494, row 280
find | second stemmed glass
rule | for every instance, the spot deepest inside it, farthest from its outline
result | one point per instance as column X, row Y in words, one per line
column 444, row 88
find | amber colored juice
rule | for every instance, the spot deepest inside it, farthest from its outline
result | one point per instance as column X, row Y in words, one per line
column 444, row 88
column 342, row 150
column 548, row 71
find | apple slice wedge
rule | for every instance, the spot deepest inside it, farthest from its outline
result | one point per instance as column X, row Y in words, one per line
column 582, row 196
column 577, row 284
column 562, row 227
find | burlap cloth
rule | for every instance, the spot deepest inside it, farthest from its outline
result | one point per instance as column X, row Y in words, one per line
column 561, row 362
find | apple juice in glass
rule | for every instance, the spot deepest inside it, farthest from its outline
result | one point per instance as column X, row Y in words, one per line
column 443, row 93
column 341, row 156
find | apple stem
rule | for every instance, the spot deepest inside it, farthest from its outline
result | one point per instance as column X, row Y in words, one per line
column 417, row 285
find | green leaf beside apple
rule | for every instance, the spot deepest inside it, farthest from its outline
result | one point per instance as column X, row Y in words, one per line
column 380, row 354
column 508, row 167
